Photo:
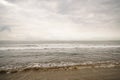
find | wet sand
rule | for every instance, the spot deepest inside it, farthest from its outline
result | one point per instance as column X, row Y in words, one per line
column 112, row 73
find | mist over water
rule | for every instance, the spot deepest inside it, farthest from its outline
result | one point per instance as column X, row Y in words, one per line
column 14, row 54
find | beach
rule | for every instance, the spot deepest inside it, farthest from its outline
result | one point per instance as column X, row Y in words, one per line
column 59, row 39
column 112, row 73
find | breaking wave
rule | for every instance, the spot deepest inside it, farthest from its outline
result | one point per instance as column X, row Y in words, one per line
column 56, row 47
column 57, row 66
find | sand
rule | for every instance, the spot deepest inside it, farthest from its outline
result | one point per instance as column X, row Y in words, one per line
column 112, row 73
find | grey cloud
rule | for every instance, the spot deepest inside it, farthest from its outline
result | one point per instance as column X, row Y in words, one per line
column 92, row 11
column 86, row 10
column 5, row 28
column 60, row 14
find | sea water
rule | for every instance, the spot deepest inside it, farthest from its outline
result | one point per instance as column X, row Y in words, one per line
column 19, row 54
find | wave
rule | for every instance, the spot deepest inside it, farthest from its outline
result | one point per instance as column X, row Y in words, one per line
column 55, row 47
column 58, row 66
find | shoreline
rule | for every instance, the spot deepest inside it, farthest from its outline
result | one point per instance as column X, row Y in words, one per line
column 111, row 73
column 58, row 68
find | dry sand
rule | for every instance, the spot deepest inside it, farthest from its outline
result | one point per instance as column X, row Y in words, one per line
column 75, row 74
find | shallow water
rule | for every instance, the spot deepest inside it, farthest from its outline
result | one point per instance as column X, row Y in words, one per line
column 14, row 54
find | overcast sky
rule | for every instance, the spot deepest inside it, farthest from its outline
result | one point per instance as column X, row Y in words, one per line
column 59, row 19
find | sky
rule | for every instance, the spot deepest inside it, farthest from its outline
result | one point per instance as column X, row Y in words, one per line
column 59, row 19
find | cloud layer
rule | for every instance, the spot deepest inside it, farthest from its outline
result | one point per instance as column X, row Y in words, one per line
column 59, row 20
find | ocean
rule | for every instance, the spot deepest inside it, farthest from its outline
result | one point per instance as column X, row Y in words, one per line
column 24, row 54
